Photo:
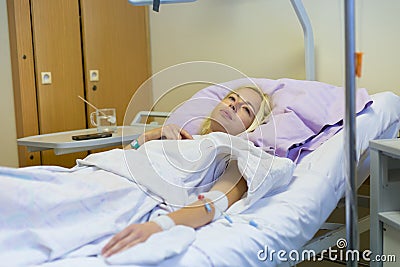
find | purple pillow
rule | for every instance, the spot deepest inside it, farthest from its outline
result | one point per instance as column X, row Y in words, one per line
column 300, row 111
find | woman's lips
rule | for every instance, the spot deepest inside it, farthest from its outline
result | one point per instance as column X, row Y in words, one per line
column 226, row 114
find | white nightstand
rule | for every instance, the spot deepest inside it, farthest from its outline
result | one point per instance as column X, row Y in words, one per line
column 385, row 200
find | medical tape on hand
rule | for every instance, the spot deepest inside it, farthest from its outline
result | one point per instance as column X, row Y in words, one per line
column 219, row 200
column 164, row 221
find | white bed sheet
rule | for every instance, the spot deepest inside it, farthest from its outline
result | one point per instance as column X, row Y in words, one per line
column 289, row 218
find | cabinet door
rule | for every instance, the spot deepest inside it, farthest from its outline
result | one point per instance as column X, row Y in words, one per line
column 24, row 81
column 115, row 43
column 57, row 48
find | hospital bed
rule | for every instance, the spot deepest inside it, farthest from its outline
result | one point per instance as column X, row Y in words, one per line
column 331, row 167
column 288, row 218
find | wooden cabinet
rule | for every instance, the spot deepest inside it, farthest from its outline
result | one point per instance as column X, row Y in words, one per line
column 57, row 52
column 66, row 40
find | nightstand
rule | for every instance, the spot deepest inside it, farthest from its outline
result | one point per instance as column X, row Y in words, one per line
column 385, row 200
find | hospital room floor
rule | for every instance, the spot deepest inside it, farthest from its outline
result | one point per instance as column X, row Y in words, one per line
column 338, row 216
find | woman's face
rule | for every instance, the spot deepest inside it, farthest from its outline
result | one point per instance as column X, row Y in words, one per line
column 235, row 113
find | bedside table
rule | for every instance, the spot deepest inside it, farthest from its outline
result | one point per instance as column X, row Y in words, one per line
column 385, row 199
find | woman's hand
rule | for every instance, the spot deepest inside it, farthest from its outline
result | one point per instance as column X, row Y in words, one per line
column 170, row 131
column 174, row 132
column 129, row 237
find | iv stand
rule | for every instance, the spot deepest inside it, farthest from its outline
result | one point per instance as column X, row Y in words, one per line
column 350, row 135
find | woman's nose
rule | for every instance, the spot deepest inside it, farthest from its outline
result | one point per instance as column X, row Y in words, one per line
column 233, row 106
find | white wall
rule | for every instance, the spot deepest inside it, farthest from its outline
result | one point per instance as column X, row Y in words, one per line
column 8, row 143
column 263, row 38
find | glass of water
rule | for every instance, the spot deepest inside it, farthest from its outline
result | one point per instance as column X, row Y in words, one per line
column 105, row 119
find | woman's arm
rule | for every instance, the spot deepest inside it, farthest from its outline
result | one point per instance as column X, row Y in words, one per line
column 194, row 215
column 169, row 131
column 230, row 183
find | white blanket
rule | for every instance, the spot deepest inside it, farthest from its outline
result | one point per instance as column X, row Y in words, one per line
column 50, row 213
column 175, row 169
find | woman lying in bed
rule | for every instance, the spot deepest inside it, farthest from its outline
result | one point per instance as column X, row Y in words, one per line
column 241, row 110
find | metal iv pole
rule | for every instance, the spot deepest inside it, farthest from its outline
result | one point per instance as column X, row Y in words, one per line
column 350, row 135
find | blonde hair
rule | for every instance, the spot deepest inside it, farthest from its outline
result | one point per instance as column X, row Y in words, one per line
column 260, row 117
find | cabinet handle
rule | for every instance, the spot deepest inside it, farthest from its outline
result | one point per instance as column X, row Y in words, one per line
column 94, row 88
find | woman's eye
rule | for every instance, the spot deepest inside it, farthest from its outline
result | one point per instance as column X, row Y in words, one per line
column 247, row 110
column 231, row 98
